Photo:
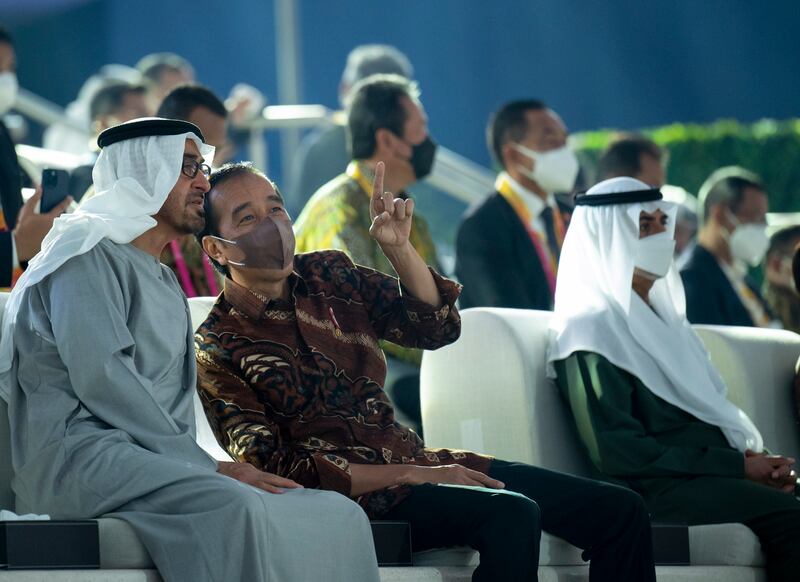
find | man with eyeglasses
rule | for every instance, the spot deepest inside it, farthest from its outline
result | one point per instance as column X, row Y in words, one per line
column 97, row 364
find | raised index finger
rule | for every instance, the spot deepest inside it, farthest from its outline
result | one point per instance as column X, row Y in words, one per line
column 377, row 184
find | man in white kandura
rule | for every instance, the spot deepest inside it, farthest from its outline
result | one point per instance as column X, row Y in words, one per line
column 98, row 367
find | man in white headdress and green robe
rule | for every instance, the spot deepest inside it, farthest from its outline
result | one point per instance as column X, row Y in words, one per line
column 649, row 406
column 98, row 368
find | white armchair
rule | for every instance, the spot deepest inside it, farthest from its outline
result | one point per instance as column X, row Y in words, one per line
column 488, row 393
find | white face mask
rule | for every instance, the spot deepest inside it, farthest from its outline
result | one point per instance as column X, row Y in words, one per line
column 654, row 255
column 554, row 170
column 749, row 242
column 8, row 91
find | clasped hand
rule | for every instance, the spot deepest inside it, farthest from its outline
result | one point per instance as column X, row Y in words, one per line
column 771, row 470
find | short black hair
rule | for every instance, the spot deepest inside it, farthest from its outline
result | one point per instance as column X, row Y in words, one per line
column 727, row 186
column 184, row 99
column 375, row 103
column 509, row 124
column 623, row 155
column 5, row 36
column 111, row 97
column 784, row 241
column 217, row 178
column 153, row 66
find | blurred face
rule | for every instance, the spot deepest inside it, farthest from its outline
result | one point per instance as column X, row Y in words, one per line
column 215, row 130
column 134, row 106
column 171, row 78
column 183, row 208
column 779, row 267
column 397, row 150
column 651, row 171
column 8, row 58
column 545, row 132
column 240, row 205
column 753, row 207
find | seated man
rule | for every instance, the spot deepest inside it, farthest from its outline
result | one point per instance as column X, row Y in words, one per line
column 290, row 374
column 779, row 289
column 649, row 406
column 21, row 227
column 385, row 122
column 508, row 244
column 733, row 238
column 98, row 369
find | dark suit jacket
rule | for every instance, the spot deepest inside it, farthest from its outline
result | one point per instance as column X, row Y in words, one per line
column 710, row 297
column 11, row 201
column 496, row 260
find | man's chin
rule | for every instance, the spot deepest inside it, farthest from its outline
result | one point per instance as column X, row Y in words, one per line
column 193, row 225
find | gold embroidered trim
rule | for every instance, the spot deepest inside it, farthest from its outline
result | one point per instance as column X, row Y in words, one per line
column 357, row 338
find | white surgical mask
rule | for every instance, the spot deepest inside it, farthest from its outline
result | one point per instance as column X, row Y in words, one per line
column 749, row 242
column 8, row 91
column 554, row 170
column 654, row 255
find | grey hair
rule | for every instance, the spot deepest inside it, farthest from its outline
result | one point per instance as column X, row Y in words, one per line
column 371, row 59
column 726, row 186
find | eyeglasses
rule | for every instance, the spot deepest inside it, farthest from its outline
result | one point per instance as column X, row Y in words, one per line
column 191, row 167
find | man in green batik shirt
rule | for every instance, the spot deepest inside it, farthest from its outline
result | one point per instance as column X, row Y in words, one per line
column 649, row 406
column 386, row 122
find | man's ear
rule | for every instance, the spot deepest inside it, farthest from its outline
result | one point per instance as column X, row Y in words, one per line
column 720, row 216
column 384, row 140
column 514, row 158
column 211, row 247
column 511, row 156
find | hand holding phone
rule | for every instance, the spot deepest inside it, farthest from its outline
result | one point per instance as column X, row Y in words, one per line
column 55, row 188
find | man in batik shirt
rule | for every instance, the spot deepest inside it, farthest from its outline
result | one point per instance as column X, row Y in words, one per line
column 290, row 375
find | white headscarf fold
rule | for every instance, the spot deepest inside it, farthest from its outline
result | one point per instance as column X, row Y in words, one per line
column 596, row 310
column 132, row 179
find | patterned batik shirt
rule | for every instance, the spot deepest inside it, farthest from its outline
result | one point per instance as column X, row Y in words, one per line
column 337, row 217
column 295, row 387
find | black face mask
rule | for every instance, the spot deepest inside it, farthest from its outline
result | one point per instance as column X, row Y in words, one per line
column 422, row 156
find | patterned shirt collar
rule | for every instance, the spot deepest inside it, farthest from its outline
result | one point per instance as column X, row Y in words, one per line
column 252, row 304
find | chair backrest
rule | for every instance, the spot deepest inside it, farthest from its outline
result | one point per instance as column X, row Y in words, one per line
column 758, row 366
column 199, row 307
column 488, row 391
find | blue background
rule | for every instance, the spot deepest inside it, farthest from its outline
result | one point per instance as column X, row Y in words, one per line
column 621, row 63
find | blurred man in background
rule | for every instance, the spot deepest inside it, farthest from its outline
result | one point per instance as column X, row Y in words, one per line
column 635, row 156
column 779, row 289
column 386, row 122
column 733, row 238
column 199, row 105
column 66, row 137
column 162, row 72
column 508, row 245
column 324, row 154
column 22, row 229
column 686, row 221
column 114, row 102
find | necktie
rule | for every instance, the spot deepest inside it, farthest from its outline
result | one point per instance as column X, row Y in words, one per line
column 550, row 230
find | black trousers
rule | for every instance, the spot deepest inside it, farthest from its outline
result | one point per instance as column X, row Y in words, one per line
column 609, row 523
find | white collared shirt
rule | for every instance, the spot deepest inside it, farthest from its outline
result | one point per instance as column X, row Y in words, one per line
column 533, row 202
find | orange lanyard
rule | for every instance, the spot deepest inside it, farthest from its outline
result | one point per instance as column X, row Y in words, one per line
column 548, row 260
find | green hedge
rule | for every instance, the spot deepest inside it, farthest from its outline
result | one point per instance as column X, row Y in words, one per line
column 768, row 147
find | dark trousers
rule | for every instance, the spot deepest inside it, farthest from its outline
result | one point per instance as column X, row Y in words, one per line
column 773, row 516
column 608, row 522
